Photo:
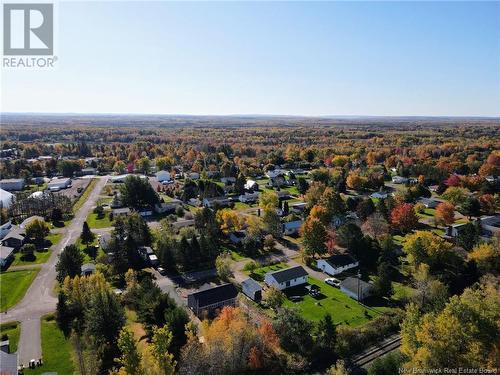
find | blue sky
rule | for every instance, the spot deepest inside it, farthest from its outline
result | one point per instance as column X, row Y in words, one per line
column 325, row 58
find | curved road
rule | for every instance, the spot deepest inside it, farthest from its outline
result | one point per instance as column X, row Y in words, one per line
column 39, row 298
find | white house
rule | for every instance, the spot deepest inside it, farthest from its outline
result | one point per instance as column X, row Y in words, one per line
column 251, row 185
column 337, row 264
column 399, row 180
column 298, row 207
column 216, row 201
column 356, row 288
column 286, row 278
column 59, row 183
column 165, row 207
column 6, row 198
column 163, row 176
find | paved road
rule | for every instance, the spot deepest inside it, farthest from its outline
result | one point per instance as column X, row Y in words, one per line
column 40, row 299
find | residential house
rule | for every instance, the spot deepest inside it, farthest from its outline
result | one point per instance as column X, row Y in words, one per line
column 6, row 255
column 88, row 269
column 399, row 180
column 429, row 202
column 15, row 238
column 148, row 255
column 277, row 181
column 162, row 176
column 194, row 175
column 292, row 227
column 252, row 289
column 356, row 288
column 248, row 197
column 6, row 198
column 286, row 278
column 237, row 237
column 337, row 264
column 298, row 207
column 167, row 207
column 121, row 211
column 12, row 184
column 228, row 180
column 5, row 229
column 104, row 240
column 57, row 184
column 274, row 173
column 216, row 202
column 88, row 171
column 490, row 225
column 212, row 299
column 284, row 194
column 251, row 185
column 8, row 361
column 379, row 195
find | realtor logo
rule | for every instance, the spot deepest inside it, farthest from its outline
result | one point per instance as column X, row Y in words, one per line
column 28, row 29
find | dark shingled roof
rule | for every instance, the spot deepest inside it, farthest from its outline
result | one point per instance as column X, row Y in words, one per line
column 251, row 285
column 288, row 274
column 340, row 260
column 213, row 295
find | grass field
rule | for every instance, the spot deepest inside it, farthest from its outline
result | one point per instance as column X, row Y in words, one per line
column 56, row 351
column 85, row 195
column 96, row 223
column 259, row 273
column 40, row 256
column 12, row 330
column 13, row 286
column 344, row 310
column 85, row 252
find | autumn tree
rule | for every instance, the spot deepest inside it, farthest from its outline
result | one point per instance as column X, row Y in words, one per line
column 404, row 218
column 130, row 359
column 37, row 230
column 273, row 297
column 464, row 334
column 487, row 257
column 445, row 213
column 314, row 236
column 223, row 266
column 375, row 226
column 427, row 247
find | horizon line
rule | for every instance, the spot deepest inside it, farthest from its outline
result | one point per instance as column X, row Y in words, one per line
column 496, row 117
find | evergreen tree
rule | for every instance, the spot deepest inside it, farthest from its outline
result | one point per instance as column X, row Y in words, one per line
column 70, row 263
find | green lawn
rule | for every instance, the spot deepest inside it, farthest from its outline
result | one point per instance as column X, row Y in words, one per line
column 241, row 206
column 85, row 195
column 96, row 223
column 13, row 286
column 343, row 309
column 259, row 273
column 56, row 351
column 40, row 256
column 85, row 252
column 12, row 330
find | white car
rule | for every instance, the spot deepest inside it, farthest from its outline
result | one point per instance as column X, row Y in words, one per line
column 333, row 281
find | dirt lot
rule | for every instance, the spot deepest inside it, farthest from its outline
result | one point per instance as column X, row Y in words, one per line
column 72, row 192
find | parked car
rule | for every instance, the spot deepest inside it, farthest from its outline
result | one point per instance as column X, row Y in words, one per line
column 295, row 298
column 79, row 190
column 161, row 270
column 333, row 282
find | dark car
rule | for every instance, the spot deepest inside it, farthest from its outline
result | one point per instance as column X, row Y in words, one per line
column 313, row 290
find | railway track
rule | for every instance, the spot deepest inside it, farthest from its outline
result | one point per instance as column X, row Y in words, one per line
column 369, row 356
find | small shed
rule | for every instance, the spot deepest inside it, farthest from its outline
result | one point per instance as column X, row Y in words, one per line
column 88, row 269
column 252, row 289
